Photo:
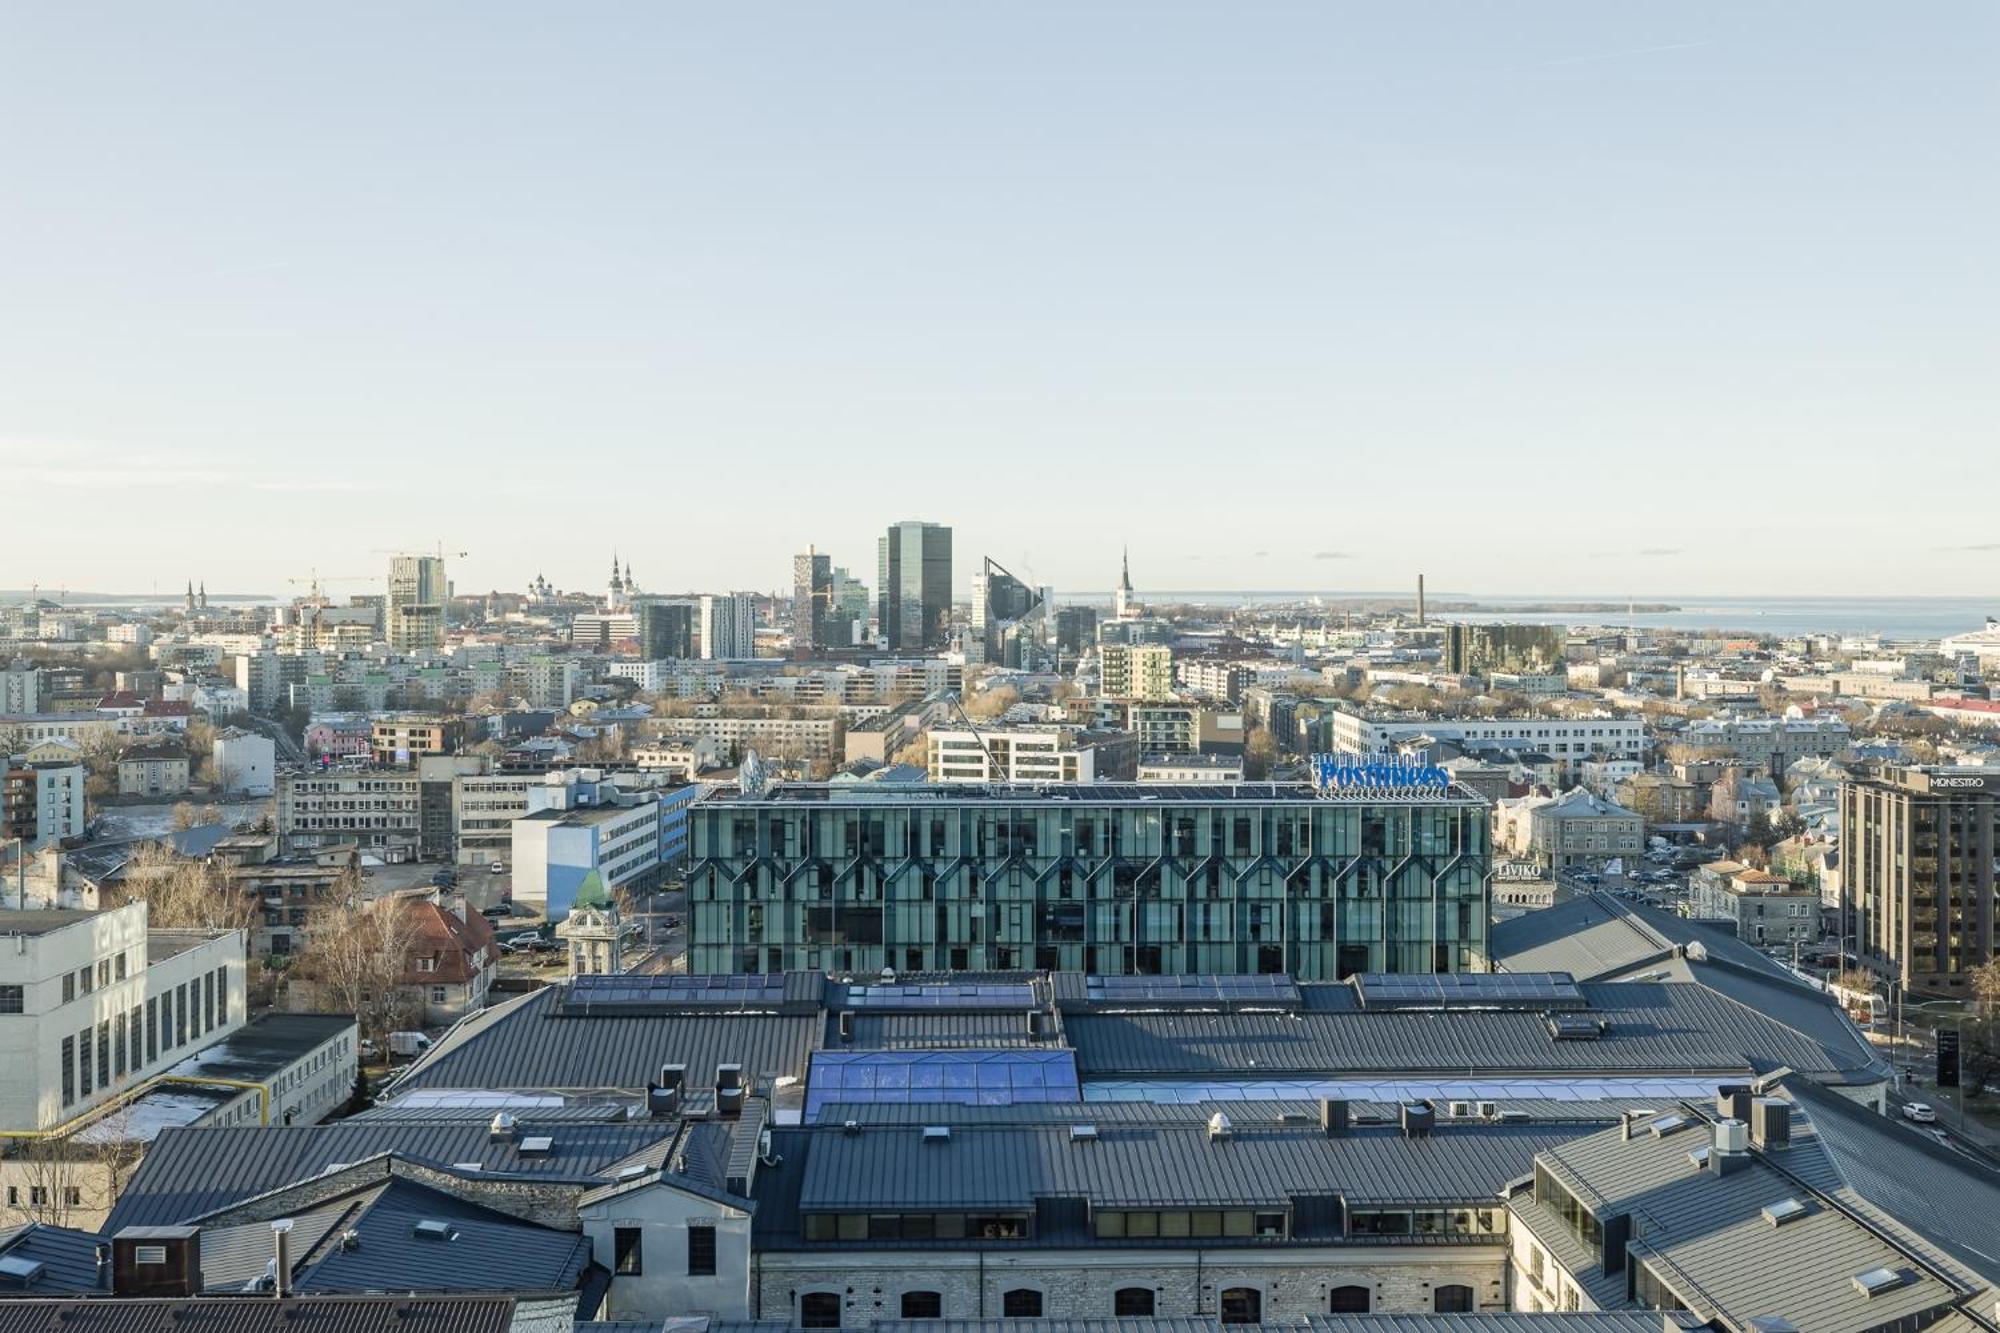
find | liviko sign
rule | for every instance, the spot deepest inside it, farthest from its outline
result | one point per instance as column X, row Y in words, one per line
column 1359, row 772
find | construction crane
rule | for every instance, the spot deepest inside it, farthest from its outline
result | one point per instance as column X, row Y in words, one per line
column 313, row 581
column 440, row 553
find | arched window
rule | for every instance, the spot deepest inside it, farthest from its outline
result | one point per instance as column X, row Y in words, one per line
column 1350, row 1300
column 923, row 1305
column 1132, row 1302
column 1242, row 1305
column 819, row 1309
column 1021, row 1303
column 1453, row 1298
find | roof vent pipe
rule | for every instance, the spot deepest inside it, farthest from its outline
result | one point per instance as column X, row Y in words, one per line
column 281, row 1237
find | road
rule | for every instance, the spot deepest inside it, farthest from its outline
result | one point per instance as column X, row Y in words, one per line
column 288, row 749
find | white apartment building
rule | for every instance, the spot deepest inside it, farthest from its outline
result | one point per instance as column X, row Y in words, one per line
column 1570, row 741
column 1010, row 754
column 816, row 737
column 728, row 626
column 671, row 676
column 677, row 756
column 20, row 689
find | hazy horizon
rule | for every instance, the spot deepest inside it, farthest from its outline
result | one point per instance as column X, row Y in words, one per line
column 1666, row 301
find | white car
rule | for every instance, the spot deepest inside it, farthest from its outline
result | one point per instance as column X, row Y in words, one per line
column 1920, row 1112
column 497, row 868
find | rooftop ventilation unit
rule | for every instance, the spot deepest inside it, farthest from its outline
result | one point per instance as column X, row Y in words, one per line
column 470, row 1168
column 502, row 1128
column 430, row 1228
column 350, row 1239
column 537, row 1145
column 1462, row 1111
column 850, row 1127
column 1771, row 1123
column 1218, row 1127
column 1418, row 1119
column 1875, row 1281
column 1698, row 1157
column 1785, row 1210
column 1083, row 1133
column 937, row 1133
column 1489, row 1110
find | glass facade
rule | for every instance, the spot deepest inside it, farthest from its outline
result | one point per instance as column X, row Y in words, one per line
column 1102, row 878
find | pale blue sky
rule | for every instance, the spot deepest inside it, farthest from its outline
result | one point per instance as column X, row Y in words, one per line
column 1537, row 297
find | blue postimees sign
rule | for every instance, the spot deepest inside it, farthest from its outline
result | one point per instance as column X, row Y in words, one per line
column 1354, row 772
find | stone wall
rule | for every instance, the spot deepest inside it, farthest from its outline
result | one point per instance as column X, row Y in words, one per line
column 1293, row 1281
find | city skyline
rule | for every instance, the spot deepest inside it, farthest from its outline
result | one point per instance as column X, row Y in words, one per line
column 1558, row 296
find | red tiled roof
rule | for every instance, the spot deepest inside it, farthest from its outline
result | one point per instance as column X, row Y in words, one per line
column 449, row 941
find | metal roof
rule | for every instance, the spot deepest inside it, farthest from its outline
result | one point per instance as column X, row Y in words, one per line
column 1165, row 1164
column 1705, row 1234
column 365, row 1240
column 1654, row 1028
column 194, row 1171
column 531, row 1045
column 236, row 1314
column 68, row 1258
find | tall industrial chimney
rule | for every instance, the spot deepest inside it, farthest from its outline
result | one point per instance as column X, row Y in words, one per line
column 1420, row 601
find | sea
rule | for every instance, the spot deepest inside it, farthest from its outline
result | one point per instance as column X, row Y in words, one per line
column 1889, row 617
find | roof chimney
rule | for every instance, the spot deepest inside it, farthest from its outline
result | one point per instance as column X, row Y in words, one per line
column 1732, row 1100
column 1418, row 1119
column 1333, row 1116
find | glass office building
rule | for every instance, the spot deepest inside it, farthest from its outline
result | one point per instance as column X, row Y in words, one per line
column 1103, row 878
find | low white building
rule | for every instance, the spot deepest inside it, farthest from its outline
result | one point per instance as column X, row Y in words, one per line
column 1187, row 768
column 243, row 763
column 94, row 1002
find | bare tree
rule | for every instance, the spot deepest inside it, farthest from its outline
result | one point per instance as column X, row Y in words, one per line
column 188, row 815
column 356, row 953
column 1986, row 985
column 183, row 893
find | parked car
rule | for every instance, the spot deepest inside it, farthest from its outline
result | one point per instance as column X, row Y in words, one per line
column 1920, row 1112
column 369, row 1050
column 497, row 868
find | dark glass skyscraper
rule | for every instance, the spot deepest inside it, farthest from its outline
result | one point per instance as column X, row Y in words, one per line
column 666, row 629
column 913, row 587
column 812, row 595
